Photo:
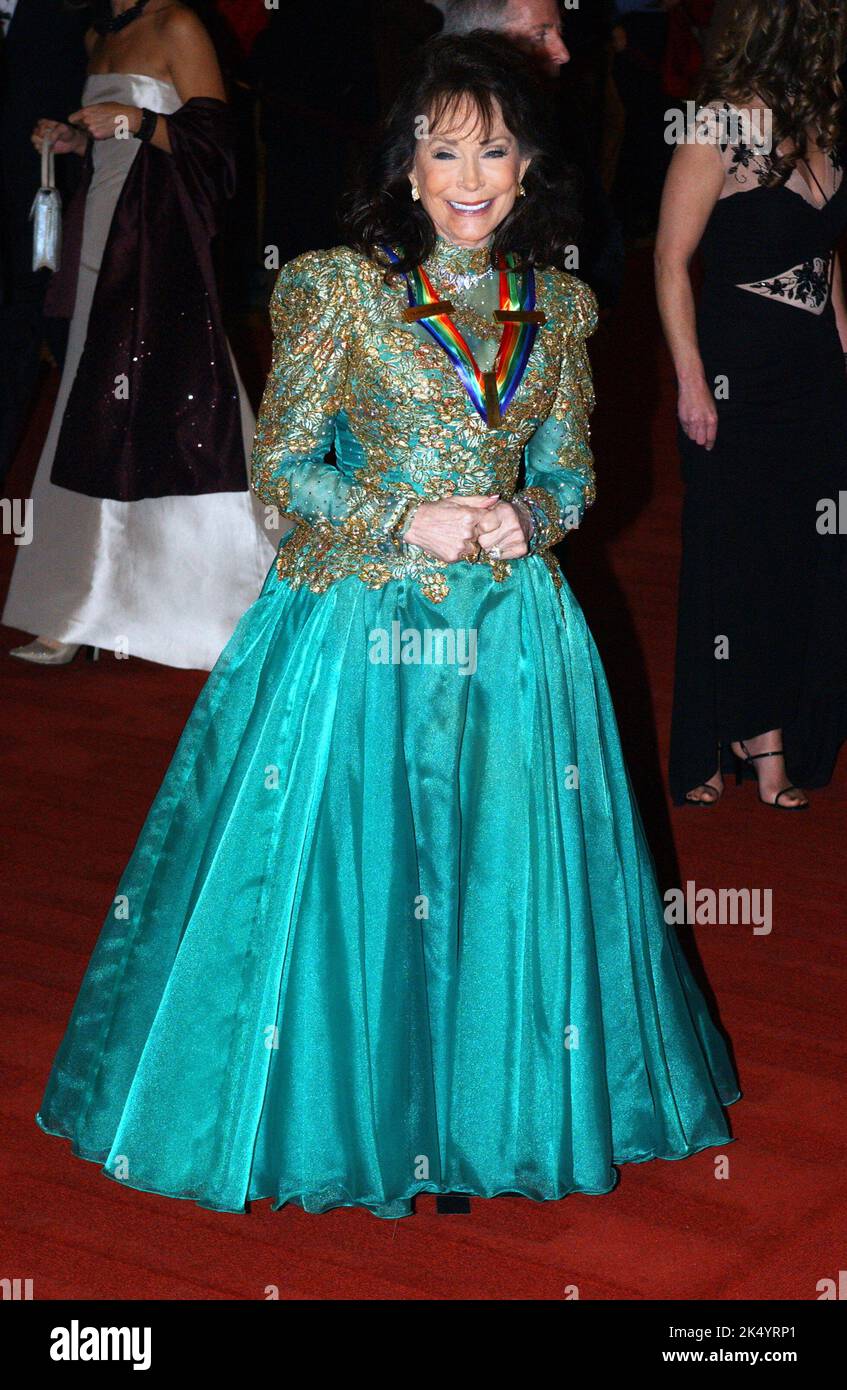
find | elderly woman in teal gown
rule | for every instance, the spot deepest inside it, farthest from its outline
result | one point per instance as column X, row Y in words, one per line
column 391, row 926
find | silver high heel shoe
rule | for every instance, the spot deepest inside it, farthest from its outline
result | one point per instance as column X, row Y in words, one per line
column 40, row 654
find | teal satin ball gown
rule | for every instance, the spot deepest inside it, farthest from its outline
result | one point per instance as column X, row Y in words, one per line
column 391, row 925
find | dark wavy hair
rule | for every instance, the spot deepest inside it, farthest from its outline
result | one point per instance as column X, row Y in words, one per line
column 787, row 53
column 490, row 72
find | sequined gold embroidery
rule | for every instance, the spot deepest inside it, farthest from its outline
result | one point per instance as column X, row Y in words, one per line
column 347, row 374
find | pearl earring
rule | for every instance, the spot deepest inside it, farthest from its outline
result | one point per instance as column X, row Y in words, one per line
column 521, row 193
column 415, row 194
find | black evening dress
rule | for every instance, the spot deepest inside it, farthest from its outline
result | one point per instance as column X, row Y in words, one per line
column 761, row 631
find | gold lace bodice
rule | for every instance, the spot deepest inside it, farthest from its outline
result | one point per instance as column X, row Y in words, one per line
column 349, row 372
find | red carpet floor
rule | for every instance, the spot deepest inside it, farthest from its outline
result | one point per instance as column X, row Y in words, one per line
column 83, row 751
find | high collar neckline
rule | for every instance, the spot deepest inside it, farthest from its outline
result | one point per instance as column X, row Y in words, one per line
column 458, row 260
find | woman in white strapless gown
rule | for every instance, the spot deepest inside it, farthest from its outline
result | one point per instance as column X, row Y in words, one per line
column 164, row 578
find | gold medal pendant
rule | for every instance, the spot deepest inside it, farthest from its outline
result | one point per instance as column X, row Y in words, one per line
column 520, row 316
column 492, row 400
column 427, row 311
column 490, row 392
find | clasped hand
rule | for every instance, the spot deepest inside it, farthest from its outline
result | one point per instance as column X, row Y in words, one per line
column 453, row 528
column 97, row 122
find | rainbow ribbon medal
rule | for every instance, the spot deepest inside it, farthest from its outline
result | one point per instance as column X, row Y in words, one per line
column 490, row 392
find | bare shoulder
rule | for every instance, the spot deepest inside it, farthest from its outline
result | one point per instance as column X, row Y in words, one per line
column 698, row 167
column 183, row 32
column 180, row 24
column 191, row 56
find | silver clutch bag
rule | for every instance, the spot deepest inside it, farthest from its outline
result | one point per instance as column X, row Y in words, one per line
column 46, row 215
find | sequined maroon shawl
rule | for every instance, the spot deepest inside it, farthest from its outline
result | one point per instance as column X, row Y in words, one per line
column 170, row 425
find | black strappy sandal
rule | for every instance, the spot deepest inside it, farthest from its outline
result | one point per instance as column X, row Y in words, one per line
column 749, row 759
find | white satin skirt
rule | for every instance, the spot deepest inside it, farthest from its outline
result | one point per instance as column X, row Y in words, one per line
column 166, row 578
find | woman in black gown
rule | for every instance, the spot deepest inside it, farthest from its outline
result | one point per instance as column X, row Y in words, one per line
column 762, row 407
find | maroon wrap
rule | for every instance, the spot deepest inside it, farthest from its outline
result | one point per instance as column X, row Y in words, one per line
column 156, row 318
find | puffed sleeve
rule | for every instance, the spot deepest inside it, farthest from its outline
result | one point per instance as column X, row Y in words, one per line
column 313, row 322
column 559, row 466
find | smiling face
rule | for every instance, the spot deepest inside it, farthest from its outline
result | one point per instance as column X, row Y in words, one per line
column 467, row 176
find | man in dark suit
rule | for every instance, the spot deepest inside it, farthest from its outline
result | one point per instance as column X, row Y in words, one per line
column 42, row 71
